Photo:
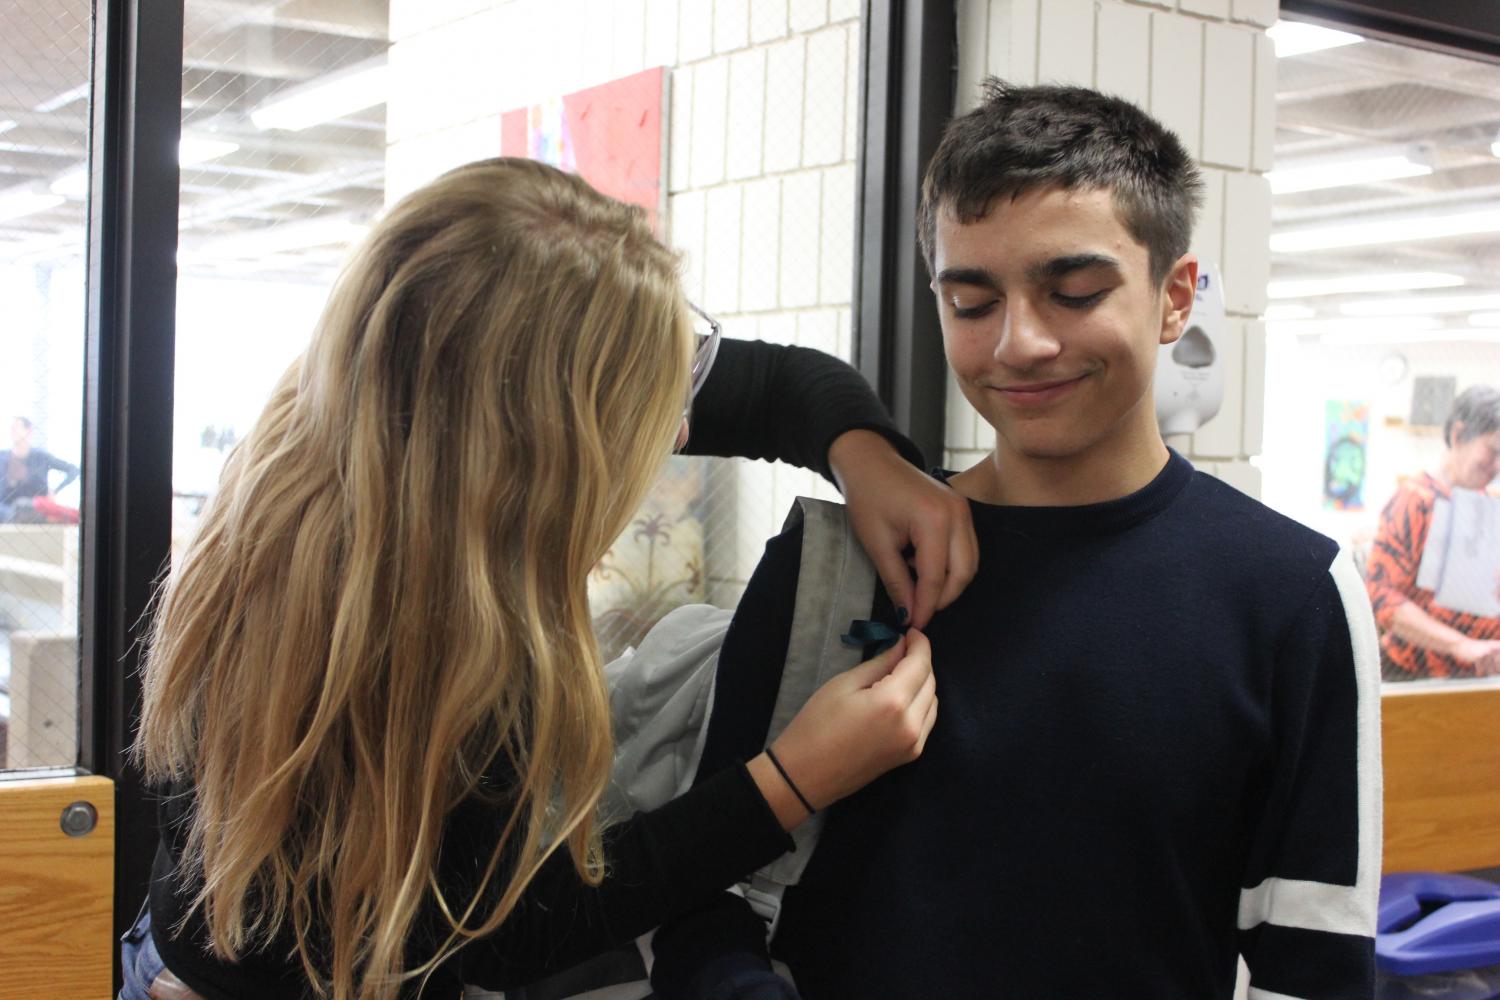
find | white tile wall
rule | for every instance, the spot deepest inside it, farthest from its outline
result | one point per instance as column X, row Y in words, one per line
column 1247, row 239
column 1263, row 149
column 973, row 44
column 767, row 20
column 710, row 109
column 807, row 15
column 407, row 19
column 1229, row 89
column 1012, row 39
column 1208, row 236
column 1065, row 43
column 851, row 92
column 760, row 257
column 823, row 110
column 1255, row 387
column 1220, row 437
column 695, row 30
column 1125, row 53
column 801, row 201
column 1208, row 8
column 661, row 32
column 1262, row 13
column 836, row 257
column 747, row 113
column 595, row 40
column 1177, row 75
column 679, row 128
column 629, row 38
column 843, row 10
column 721, row 257
column 687, row 216
column 785, row 67
column 819, row 329
column 731, row 24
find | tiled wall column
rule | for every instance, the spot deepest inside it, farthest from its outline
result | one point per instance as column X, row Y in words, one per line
column 1207, row 69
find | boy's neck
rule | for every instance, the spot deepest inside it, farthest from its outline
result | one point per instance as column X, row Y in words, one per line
column 1104, row 472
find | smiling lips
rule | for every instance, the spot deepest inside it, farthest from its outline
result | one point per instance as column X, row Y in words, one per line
column 1039, row 393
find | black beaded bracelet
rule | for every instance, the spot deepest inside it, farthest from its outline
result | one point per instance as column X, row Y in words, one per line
column 789, row 782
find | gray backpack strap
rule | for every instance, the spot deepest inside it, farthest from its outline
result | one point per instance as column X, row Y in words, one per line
column 835, row 585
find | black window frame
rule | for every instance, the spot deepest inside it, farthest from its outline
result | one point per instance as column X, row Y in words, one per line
column 125, row 531
column 908, row 82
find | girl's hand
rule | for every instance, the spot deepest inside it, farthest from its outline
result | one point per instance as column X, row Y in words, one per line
column 856, row 727
column 893, row 506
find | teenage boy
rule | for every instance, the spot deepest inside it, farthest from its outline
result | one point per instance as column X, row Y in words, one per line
column 1158, row 742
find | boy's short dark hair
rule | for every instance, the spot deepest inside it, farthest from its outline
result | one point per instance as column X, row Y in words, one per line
column 1022, row 138
column 1478, row 409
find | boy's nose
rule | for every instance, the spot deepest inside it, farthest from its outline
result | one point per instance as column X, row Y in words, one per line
column 1024, row 339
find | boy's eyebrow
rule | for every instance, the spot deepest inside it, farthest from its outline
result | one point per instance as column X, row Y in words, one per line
column 1047, row 270
column 976, row 276
column 1059, row 267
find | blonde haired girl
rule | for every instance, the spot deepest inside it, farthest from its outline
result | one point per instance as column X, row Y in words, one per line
column 373, row 693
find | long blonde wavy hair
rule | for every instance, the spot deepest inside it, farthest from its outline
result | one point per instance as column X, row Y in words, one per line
column 387, row 596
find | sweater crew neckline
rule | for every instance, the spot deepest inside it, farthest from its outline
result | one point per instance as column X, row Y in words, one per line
column 1088, row 519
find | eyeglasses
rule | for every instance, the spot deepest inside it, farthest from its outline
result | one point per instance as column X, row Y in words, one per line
column 706, row 351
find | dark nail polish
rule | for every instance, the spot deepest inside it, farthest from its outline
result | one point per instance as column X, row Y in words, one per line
column 902, row 615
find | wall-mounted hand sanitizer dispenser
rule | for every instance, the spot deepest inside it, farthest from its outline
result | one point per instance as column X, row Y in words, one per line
column 1190, row 373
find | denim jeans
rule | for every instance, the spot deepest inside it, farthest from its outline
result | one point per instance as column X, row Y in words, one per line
column 139, row 962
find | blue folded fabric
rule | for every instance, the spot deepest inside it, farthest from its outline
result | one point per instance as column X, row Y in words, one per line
column 870, row 633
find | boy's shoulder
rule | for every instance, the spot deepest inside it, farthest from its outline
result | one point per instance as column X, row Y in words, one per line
column 1250, row 534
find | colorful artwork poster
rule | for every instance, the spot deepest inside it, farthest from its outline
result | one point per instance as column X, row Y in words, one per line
column 1347, row 433
column 610, row 135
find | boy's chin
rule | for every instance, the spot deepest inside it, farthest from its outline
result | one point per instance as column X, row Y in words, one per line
column 1044, row 444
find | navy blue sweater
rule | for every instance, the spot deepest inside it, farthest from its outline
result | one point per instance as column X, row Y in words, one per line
column 1157, row 746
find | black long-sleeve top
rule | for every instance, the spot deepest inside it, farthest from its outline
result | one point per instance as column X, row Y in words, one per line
column 761, row 401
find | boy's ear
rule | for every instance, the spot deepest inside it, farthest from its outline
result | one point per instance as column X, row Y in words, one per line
column 1178, row 293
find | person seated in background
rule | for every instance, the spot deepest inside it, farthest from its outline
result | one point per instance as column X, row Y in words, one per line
column 26, row 474
column 1158, row 747
column 1419, row 638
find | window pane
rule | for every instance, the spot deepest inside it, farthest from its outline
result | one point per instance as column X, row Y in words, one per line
column 283, row 167
column 1385, row 308
column 44, row 131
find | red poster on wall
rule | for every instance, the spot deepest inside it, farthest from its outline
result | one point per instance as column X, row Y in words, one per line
column 610, row 135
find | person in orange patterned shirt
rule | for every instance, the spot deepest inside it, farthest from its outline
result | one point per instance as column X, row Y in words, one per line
column 1418, row 638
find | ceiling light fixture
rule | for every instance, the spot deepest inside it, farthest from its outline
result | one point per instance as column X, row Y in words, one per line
column 193, row 150
column 1406, row 229
column 1320, row 327
column 1344, row 173
column 325, row 98
column 73, row 184
column 1299, row 288
column 7, row 125
column 63, row 99
column 1417, row 306
column 18, row 202
column 282, row 237
column 1361, row 339
column 1288, row 310
column 1295, row 38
